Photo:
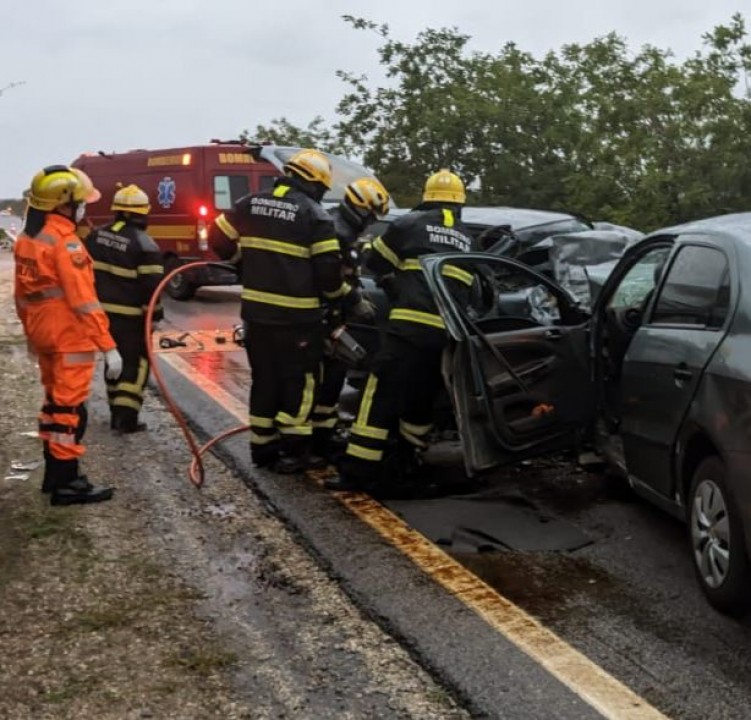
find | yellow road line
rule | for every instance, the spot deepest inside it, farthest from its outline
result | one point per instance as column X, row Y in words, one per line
column 589, row 681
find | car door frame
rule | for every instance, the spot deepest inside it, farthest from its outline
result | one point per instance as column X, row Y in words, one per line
column 471, row 413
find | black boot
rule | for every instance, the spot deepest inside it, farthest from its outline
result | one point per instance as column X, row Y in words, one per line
column 347, row 483
column 47, row 482
column 70, row 488
column 125, row 420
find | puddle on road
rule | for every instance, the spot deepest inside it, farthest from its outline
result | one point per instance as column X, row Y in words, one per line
column 229, row 370
column 543, row 584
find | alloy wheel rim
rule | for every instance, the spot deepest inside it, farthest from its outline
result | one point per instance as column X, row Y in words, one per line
column 710, row 533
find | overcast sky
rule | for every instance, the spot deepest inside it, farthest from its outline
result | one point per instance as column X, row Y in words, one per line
column 103, row 75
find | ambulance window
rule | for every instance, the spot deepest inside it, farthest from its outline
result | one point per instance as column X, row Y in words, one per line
column 266, row 182
column 228, row 189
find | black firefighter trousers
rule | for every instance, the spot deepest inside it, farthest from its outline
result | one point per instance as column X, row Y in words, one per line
column 395, row 414
column 125, row 395
column 284, row 363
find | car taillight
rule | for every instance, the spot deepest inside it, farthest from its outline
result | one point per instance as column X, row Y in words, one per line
column 203, row 211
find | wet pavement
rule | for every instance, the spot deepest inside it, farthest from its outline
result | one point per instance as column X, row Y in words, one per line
column 626, row 598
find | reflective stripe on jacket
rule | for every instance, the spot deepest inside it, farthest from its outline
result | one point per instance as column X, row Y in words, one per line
column 291, row 261
column 54, row 291
column 128, row 267
column 434, row 229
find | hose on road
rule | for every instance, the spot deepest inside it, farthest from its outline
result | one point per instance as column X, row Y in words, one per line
column 196, row 472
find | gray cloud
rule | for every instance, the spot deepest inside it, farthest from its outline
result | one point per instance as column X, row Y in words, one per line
column 114, row 76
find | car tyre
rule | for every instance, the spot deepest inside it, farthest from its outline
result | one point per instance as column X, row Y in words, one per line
column 179, row 287
column 717, row 539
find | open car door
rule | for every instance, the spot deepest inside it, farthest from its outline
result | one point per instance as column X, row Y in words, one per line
column 517, row 362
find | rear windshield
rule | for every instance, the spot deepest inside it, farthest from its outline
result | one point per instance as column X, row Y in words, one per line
column 343, row 172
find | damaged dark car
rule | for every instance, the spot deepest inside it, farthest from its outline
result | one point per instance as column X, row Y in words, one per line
column 652, row 371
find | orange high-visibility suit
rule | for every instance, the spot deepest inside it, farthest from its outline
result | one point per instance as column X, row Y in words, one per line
column 64, row 324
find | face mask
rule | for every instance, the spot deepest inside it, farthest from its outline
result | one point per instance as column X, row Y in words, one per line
column 80, row 212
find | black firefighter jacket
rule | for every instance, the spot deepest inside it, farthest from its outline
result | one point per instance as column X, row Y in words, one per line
column 348, row 232
column 291, row 262
column 435, row 229
column 128, row 267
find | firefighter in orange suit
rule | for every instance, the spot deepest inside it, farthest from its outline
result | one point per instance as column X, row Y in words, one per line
column 291, row 265
column 64, row 324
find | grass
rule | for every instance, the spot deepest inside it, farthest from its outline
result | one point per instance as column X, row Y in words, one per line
column 71, row 689
column 104, row 619
column 201, row 661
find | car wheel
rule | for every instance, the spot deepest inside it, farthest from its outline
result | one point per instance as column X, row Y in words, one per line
column 179, row 287
column 717, row 539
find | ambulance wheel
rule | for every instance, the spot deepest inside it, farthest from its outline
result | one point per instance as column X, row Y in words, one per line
column 179, row 287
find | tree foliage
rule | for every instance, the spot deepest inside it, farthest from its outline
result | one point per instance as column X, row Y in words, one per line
column 282, row 132
column 637, row 138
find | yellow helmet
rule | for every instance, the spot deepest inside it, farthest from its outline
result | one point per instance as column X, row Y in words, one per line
column 367, row 195
column 131, row 199
column 59, row 185
column 310, row 165
column 444, row 186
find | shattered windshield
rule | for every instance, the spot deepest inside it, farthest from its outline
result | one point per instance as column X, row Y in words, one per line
column 535, row 233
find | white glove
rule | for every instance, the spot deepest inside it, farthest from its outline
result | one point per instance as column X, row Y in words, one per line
column 113, row 364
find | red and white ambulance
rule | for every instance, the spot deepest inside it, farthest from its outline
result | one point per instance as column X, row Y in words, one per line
column 188, row 187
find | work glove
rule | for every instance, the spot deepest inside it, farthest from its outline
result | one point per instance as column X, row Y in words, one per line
column 363, row 310
column 113, row 364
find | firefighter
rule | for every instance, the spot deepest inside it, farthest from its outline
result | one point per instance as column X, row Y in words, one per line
column 291, row 265
column 64, row 324
column 394, row 417
column 365, row 200
column 128, row 268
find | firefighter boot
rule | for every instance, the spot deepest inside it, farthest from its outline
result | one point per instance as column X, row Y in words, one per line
column 124, row 420
column 70, row 488
column 47, row 481
column 328, row 445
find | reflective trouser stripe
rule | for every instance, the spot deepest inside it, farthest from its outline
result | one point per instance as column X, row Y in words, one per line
column 66, row 378
column 306, row 403
column 128, row 394
column 296, row 429
column 126, row 402
column 327, row 423
column 259, row 439
column 417, row 316
column 261, row 422
column 325, row 416
column 364, row 453
column 361, row 429
column 370, row 432
column 415, row 434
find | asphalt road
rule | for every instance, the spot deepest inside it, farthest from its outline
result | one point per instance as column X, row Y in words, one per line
column 626, row 599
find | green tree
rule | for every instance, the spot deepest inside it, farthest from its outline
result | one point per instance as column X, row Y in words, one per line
column 635, row 138
column 282, row 132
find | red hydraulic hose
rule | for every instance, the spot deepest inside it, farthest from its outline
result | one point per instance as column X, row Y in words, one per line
column 196, row 472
